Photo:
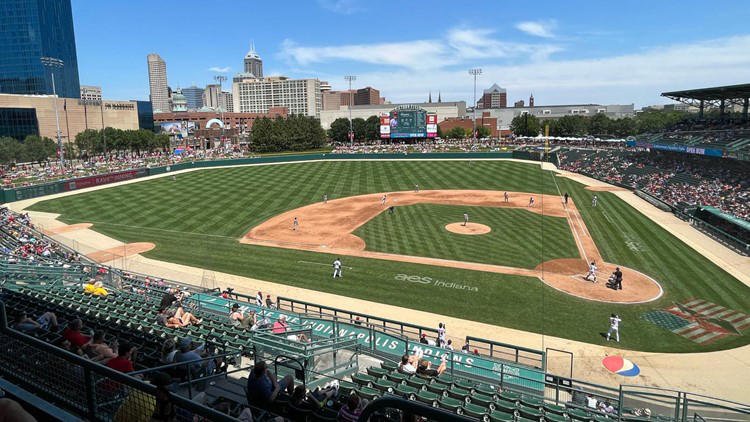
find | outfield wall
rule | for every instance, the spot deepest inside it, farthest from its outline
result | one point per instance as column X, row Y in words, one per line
column 35, row 191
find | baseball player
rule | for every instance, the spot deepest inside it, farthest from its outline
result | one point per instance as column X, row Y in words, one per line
column 416, row 188
column 466, row 218
column 325, row 198
column 441, row 335
column 385, row 198
column 594, row 200
column 295, row 224
column 506, row 196
column 531, row 201
column 174, row 178
column 592, row 272
column 337, row 268
column 566, row 198
column 391, row 209
column 614, row 326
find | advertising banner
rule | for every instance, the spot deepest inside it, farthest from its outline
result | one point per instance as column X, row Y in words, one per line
column 87, row 182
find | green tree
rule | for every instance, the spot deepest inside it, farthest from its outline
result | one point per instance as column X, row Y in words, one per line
column 483, row 132
column 339, row 131
column 87, row 140
column 36, row 149
column 599, row 125
column 10, row 149
column 456, row 133
column 440, row 133
column 372, row 133
column 360, row 128
column 525, row 125
column 569, row 126
column 624, row 127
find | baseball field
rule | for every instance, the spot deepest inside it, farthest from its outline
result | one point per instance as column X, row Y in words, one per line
column 239, row 221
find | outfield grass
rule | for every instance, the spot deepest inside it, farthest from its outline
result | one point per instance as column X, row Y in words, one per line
column 197, row 219
column 420, row 230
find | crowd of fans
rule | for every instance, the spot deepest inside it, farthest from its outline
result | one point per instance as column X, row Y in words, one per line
column 21, row 243
column 672, row 177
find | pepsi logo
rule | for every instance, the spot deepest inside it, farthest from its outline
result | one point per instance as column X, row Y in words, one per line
column 621, row 366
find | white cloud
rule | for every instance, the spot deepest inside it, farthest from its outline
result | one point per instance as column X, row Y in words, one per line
column 629, row 78
column 218, row 69
column 538, row 28
column 344, row 7
column 458, row 46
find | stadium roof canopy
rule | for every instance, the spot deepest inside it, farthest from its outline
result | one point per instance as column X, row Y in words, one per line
column 731, row 94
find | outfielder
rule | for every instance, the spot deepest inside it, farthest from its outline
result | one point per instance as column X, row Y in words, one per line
column 337, row 268
column 614, row 326
column 594, row 200
column 416, row 188
column 466, row 218
column 295, row 224
column 592, row 272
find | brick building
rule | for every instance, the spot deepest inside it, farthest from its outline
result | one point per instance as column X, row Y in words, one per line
column 235, row 123
column 466, row 123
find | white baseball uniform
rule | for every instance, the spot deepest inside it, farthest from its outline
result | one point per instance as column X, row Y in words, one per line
column 336, row 268
column 614, row 326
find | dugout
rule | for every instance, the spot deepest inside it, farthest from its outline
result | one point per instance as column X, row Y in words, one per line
column 732, row 226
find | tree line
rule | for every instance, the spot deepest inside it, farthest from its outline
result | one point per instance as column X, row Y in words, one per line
column 294, row 133
column 32, row 149
column 598, row 125
column 96, row 142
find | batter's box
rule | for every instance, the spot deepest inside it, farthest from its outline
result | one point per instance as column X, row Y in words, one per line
column 699, row 321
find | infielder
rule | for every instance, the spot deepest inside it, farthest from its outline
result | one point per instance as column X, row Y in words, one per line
column 466, row 218
column 385, row 197
column 337, row 268
column 295, row 224
column 614, row 326
column 325, row 199
column 506, row 196
column 416, row 188
column 592, row 272
column 531, row 201
column 594, row 200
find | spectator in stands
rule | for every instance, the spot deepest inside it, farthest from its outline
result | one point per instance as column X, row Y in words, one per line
column 188, row 353
column 263, row 388
column 168, row 299
column 11, row 411
column 465, row 348
column 46, row 321
column 408, row 364
column 73, row 334
column 606, row 408
column 98, row 350
column 168, row 351
column 423, row 339
column 123, row 362
column 96, row 289
column 591, row 401
column 352, row 409
column 425, row 369
column 280, row 326
column 449, row 345
column 357, row 321
column 164, row 409
column 259, row 300
column 311, row 401
column 238, row 320
column 269, row 302
column 180, row 319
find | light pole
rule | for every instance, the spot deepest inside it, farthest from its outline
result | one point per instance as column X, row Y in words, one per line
column 220, row 79
column 475, row 72
column 53, row 63
column 104, row 136
column 350, row 78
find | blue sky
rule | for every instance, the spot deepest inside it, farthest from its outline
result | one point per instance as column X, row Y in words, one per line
column 563, row 51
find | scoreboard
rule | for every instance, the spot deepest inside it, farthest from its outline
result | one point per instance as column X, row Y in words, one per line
column 408, row 122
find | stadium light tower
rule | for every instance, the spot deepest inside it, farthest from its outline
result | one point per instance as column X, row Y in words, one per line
column 475, row 72
column 53, row 63
column 220, row 79
column 350, row 78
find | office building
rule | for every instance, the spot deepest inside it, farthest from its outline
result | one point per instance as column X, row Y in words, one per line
column 253, row 63
column 22, row 115
column 91, row 93
column 216, row 99
column 258, row 95
column 330, row 100
column 325, row 86
column 157, row 82
column 226, row 102
column 367, row 96
column 194, row 96
column 444, row 110
column 493, row 97
column 505, row 115
column 30, row 30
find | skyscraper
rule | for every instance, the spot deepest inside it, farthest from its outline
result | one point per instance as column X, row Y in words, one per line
column 194, row 97
column 29, row 30
column 253, row 62
column 157, row 83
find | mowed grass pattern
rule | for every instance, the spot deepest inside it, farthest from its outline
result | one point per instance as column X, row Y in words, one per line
column 197, row 219
column 515, row 239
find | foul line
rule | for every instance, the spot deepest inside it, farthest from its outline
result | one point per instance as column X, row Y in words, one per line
column 572, row 225
column 318, row 263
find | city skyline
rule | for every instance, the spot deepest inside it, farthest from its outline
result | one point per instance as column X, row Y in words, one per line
column 563, row 54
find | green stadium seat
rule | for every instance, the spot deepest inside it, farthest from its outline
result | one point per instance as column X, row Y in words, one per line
column 409, row 393
column 499, row 416
column 416, row 382
column 462, row 383
column 459, row 394
column 554, row 417
column 397, row 377
column 520, row 419
column 363, row 379
column 384, row 385
column 554, row 409
column 428, row 398
column 445, row 379
column 346, row 388
column 389, row 366
column 482, row 400
column 601, row 418
column 377, row 372
column 476, row 411
column 529, row 412
column 531, row 401
column 485, row 389
column 510, row 396
column 368, row 393
column 450, row 404
column 579, row 415
column 505, row 406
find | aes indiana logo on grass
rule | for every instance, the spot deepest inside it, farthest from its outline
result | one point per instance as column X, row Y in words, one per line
column 435, row 282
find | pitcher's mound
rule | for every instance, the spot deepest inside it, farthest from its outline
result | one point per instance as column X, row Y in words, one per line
column 469, row 228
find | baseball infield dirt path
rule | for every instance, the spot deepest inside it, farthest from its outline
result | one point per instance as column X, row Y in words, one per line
column 329, row 226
